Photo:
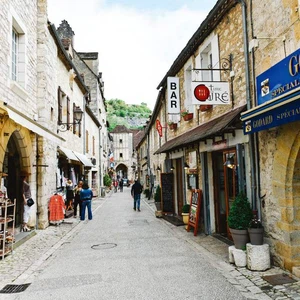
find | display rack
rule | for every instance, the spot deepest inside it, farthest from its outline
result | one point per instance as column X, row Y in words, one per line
column 7, row 225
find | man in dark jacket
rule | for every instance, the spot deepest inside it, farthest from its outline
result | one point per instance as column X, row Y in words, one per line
column 136, row 191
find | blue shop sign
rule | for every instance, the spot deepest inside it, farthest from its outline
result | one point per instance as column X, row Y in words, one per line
column 286, row 113
column 281, row 78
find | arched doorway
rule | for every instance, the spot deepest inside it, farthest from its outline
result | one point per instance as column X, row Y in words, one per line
column 286, row 194
column 13, row 161
column 122, row 171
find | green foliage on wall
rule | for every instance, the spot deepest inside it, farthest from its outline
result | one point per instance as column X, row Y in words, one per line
column 130, row 115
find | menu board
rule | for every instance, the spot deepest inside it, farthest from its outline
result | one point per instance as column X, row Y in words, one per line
column 167, row 193
column 194, row 210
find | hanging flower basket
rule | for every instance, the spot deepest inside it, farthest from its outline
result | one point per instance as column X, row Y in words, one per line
column 205, row 107
column 188, row 117
column 173, row 126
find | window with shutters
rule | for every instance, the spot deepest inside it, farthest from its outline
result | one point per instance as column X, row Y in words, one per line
column 86, row 141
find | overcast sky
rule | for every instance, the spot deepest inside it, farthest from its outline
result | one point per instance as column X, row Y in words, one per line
column 137, row 40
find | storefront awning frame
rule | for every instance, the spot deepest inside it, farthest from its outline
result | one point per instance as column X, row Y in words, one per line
column 215, row 127
column 85, row 160
column 30, row 124
column 68, row 153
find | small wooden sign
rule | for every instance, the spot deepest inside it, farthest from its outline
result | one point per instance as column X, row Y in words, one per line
column 195, row 206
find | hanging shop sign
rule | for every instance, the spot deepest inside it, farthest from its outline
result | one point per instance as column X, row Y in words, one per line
column 281, row 79
column 158, row 127
column 173, row 95
column 210, row 93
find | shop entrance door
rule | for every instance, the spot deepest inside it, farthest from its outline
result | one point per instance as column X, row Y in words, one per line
column 226, row 187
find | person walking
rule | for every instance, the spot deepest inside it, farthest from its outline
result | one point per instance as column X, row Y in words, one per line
column 136, row 191
column 26, row 192
column 86, row 196
column 116, row 185
column 77, row 201
column 121, row 185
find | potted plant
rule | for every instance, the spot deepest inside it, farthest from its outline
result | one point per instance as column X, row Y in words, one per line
column 172, row 125
column 239, row 217
column 205, row 107
column 256, row 230
column 185, row 214
column 186, row 115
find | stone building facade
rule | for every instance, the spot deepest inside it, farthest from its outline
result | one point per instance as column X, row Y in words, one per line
column 40, row 90
column 124, row 158
column 249, row 45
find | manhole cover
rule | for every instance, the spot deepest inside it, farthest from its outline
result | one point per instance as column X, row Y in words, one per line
column 104, row 246
column 278, row 279
column 138, row 222
column 14, row 288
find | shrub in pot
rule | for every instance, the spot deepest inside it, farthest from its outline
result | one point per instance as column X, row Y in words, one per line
column 185, row 214
column 256, row 230
column 239, row 217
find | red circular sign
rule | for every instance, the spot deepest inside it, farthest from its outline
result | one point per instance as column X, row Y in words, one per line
column 201, row 92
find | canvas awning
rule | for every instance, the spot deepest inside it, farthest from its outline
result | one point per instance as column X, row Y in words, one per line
column 85, row 161
column 68, row 153
column 30, row 124
column 226, row 123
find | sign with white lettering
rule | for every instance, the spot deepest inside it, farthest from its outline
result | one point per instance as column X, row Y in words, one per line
column 280, row 79
column 218, row 93
column 173, row 95
column 158, row 127
column 289, row 112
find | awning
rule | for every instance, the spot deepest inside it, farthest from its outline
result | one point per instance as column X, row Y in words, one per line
column 87, row 162
column 32, row 125
column 226, row 123
column 276, row 112
column 68, row 153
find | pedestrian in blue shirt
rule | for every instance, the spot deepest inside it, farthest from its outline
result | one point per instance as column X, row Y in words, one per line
column 86, row 196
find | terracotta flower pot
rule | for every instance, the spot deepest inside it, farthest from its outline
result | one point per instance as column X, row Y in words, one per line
column 240, row 238
column 173, row 126
column 256, row 236
column 188, row 117
column 205, row 107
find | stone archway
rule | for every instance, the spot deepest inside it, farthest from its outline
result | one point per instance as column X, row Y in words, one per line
column 122, row 170
column 15, row 155
column 286, row 193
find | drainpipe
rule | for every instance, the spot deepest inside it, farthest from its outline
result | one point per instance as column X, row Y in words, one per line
column 100, row 164
column 36, row 181
column 249, row 105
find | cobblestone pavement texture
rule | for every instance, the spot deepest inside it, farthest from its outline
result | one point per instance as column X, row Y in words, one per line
column 29, row 256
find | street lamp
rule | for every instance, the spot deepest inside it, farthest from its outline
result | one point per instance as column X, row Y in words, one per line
column 77, row 113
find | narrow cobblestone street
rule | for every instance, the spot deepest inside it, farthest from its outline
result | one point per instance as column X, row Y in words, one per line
column 134, row 256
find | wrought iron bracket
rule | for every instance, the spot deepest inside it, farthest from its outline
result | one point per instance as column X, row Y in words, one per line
column 226, row 66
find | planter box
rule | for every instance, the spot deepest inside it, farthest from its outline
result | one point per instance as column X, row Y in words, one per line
column 205, row 107
column 188, row 117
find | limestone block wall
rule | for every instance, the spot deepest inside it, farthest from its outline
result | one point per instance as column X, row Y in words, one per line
column 276, row 26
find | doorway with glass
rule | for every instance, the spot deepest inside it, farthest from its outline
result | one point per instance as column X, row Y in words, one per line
column 225, row 187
